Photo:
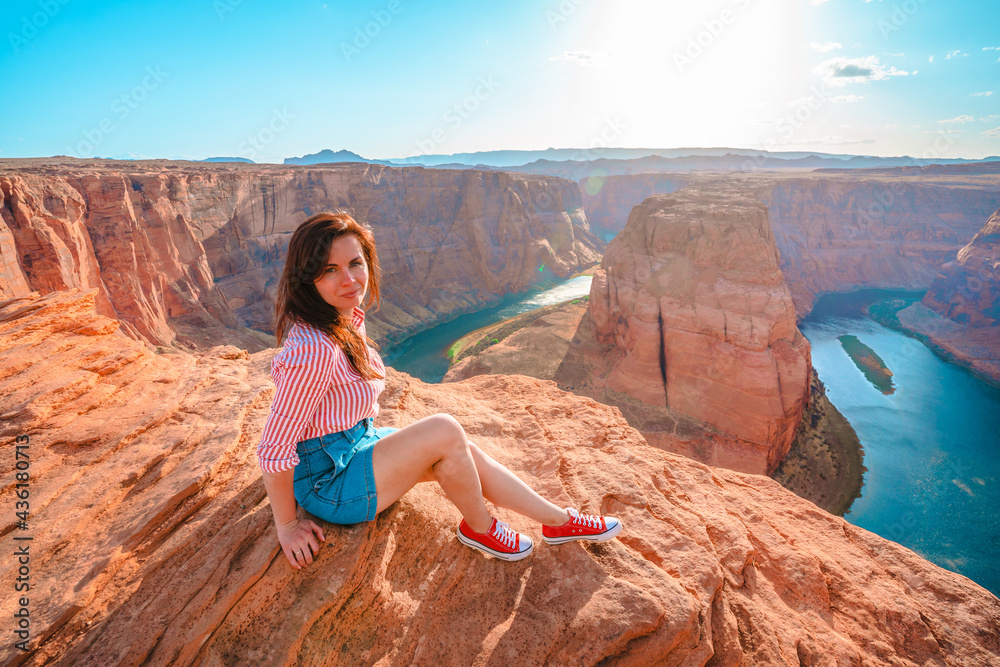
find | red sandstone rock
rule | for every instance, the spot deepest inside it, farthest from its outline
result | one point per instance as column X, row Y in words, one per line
column 691, row 295
column 190, row 252
column 967, row 289
column 961, row 311
column 154, row 542
column 841, row 232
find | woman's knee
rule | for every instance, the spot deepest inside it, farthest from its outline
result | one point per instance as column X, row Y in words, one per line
column 450, row 433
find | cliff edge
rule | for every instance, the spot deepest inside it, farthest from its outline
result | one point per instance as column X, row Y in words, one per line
column 153, row 540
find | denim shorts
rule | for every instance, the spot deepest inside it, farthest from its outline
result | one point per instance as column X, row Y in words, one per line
column 334, row 479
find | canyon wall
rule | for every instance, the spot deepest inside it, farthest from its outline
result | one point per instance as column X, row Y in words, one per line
column 691, row 296
column 960, row 313
column 189, row 253
column 153, row 540
column 967, row 289
column 608, row 200
column 841, row 232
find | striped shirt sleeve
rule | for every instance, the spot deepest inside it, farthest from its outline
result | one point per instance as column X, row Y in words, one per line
column 304, row 380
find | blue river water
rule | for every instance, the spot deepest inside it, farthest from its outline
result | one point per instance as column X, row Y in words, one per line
column 932, row 448
column 424, row 355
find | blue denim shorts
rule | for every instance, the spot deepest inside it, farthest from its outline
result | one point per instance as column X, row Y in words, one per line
column 334, row 479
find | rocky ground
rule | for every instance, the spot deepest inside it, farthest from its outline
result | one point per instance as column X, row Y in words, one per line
column 153, row 542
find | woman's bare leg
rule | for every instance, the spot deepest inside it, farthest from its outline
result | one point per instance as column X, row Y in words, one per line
column 504, row 488
column 434, row 447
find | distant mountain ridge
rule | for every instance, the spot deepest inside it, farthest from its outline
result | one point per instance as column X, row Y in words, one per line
column 572, row 162
column 228, row 159
column 327, row 156
column 524, row 158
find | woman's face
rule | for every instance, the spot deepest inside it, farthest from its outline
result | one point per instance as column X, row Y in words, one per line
column 343, row 281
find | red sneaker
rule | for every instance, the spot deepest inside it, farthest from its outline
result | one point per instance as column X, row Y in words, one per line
column 582, row 527
column 500, row 540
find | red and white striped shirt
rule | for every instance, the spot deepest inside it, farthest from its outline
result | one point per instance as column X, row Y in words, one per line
column 317, row 392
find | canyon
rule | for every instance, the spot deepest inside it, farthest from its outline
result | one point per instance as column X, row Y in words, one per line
column 171, row 555
column 189, row 254
column 135, row 344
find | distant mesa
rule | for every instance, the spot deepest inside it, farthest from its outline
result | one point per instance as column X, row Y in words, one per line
column 327, row 156
column 228, row 159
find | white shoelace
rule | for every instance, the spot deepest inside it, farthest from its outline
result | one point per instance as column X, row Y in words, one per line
column 504, row 534
column 588, row 520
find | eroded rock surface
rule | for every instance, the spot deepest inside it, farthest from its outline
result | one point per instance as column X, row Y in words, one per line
column 154, row 542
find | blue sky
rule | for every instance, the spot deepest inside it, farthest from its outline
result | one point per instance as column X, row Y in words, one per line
column 192, row 79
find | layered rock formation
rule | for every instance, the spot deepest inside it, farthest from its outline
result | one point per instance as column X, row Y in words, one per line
column 189, row 253
column 691, row 296
column 841, row 232
column 153, row 541
column 967, row 290
column 960, row 313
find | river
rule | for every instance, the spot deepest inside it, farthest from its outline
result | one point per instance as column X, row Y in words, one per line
column 425, row 355
column 932, row 447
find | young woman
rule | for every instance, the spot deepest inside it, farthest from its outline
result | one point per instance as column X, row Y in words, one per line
column 319, row 446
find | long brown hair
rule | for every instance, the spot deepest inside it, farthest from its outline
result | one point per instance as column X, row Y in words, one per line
column 298, row 299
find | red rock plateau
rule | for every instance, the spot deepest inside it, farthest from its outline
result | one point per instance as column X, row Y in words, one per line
column 153, row 541
column 189, row 253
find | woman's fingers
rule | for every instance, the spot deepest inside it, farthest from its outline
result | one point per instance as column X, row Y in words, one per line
column 292, row 557
column 316, row 529
column 301, row 545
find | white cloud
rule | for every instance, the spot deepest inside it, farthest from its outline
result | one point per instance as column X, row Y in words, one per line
column 985, row 93
column 957, row 53
column 840, row 71
column 839, row 99
column 824, row 47
column 958, row 119
column 931, row 59
column 994, row 133
column 992, row 116
column 991, row 48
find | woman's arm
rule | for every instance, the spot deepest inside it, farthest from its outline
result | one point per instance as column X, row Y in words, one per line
column 297, row 538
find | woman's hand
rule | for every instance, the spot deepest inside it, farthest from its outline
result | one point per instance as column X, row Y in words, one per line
column 298, row 541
